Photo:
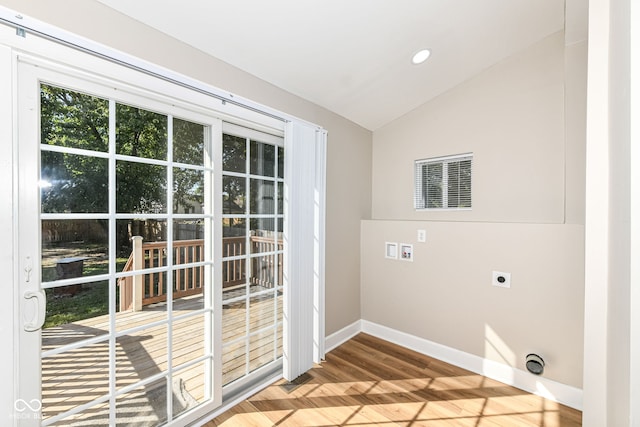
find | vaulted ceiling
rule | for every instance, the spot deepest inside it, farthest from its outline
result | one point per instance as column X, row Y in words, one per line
column 354, row 56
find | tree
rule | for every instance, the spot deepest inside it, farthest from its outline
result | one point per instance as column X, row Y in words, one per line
column 73, row 183
column 188, row 148
column 79, row 183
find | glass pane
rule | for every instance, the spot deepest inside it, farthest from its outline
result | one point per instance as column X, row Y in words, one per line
column 453, row 185
column 234, row 327
column 280, row 199
column 432, row 179
column 144, row 406
column 262, row 197
column 261, row 311
column 465, row 184
column 234, row 278
column 279, row 332
column 184, row 304
column 141, row 188
column 152, row 294
column 188, row 229
column 140, row 355
column 234, row 321
column 262, row 159
column 234, row 153
column 280, row 267
column 72, row 183
column 153, row 234
column 261, row 349
column 261, row 229
column 74, row 378
column 188, row 142
column 97, row 415
column 74, row 248
column 72, row 119
column 75, row 313
column 262, row 272
column 189, row 250
column 233, row 195
column 140, row 133
column 187, row 282
column 233, row 227
column 189, row 387
column 188, row 191
column 188, row 340
column 233, row 362
column 280, row 162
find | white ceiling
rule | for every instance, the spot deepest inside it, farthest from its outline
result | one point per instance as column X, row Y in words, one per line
column 353, row 57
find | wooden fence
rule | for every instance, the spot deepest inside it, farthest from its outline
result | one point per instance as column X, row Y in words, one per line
column 141, row 290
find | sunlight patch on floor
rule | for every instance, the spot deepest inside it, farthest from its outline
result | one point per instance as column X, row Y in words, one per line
column 459, row 383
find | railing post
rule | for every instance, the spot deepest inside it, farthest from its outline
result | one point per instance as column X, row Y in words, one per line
column 138, row 280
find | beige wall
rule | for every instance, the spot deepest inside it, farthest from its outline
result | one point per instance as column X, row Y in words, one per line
column 511, row 117
column 575, row 131
column 446, row 296
column 524, row 120
column 349, row 146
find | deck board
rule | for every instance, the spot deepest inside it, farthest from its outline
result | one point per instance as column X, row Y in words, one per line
column 79, row 376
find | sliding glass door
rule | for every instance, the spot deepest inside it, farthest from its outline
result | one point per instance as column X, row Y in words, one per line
column 123, row 252
column 156, row 272
column 252, row 250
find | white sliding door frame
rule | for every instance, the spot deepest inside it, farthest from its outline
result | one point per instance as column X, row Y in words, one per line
column 31, row 74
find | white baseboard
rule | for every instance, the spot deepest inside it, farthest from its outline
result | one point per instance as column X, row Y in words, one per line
column 553, row 390
column 342, row 336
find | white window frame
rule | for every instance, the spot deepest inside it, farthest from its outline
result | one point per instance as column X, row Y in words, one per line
column 420, row 201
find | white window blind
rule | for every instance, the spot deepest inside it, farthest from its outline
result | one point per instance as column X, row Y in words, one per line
column 443, row 182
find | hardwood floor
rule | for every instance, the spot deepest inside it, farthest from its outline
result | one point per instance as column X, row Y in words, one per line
column 367, row 382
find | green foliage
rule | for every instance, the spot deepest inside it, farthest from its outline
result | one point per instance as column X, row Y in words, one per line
column 79, row 183
column 140, row 133
column 188, row 148
column 234, row 159
column 70, row 119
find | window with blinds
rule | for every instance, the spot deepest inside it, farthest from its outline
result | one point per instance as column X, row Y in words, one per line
column 443, row 182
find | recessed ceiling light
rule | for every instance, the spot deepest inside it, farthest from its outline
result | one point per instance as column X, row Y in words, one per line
column 421, row 56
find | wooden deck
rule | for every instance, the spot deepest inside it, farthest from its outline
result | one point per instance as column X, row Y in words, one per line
column 370, row 382
column 79, row 376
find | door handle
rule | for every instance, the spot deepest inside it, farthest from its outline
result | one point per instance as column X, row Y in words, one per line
column 41, row 310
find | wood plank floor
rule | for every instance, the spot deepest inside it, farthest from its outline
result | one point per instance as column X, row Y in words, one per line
column 369, row 382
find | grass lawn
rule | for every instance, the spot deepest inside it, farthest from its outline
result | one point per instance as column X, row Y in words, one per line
column 91, row 301
column 93, row 298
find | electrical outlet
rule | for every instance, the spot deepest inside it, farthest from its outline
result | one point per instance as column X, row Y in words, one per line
column 422, row 236
column 501, row 279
